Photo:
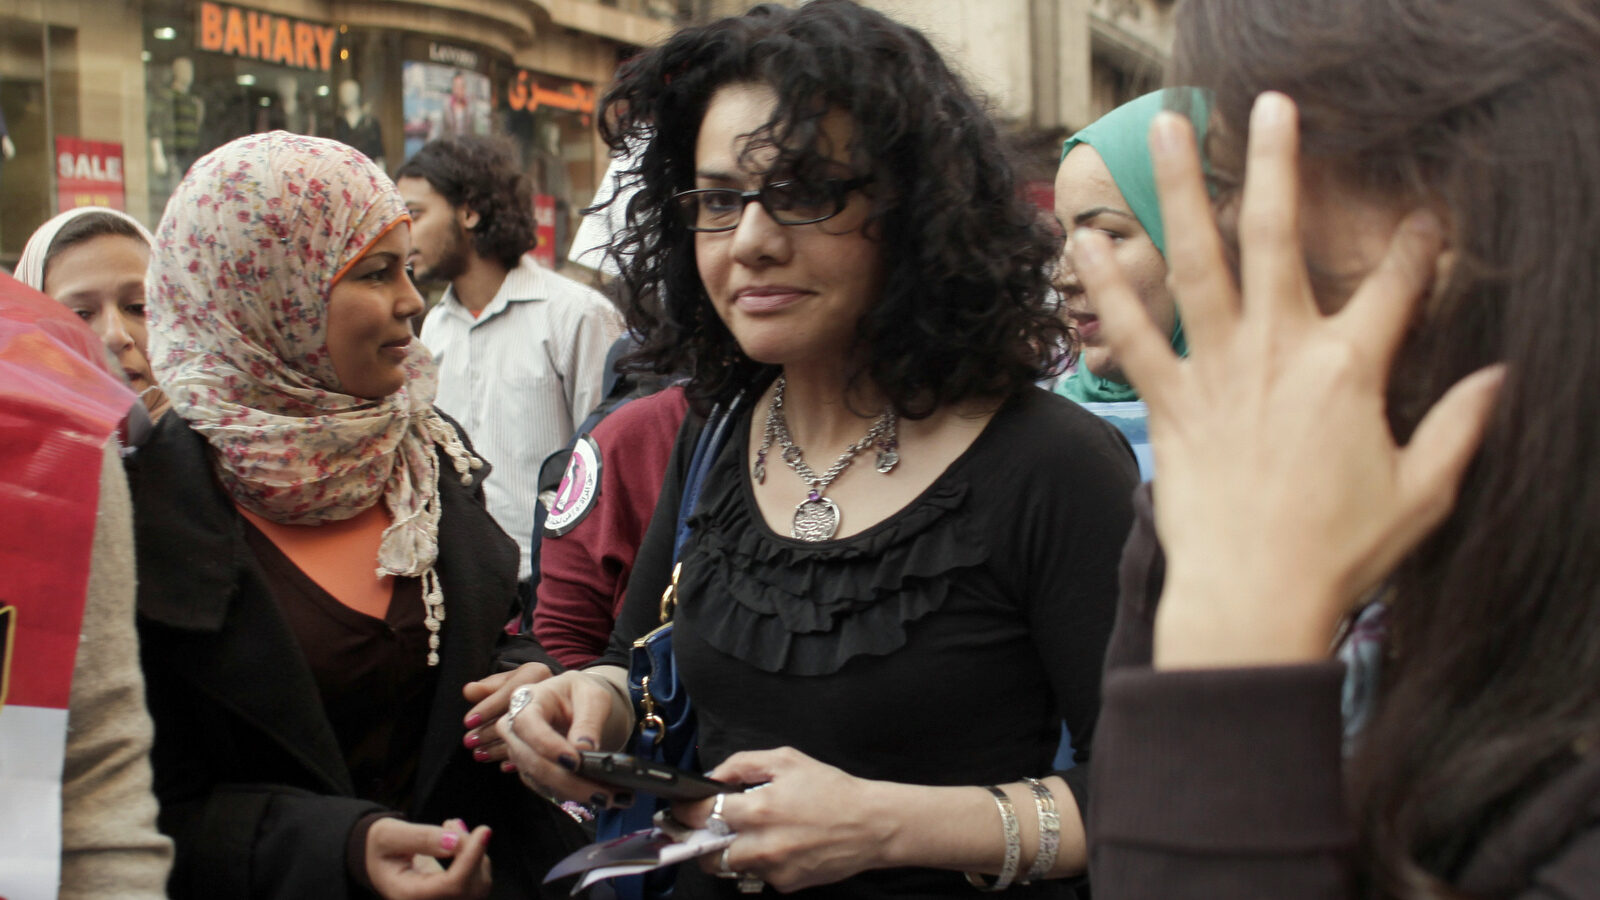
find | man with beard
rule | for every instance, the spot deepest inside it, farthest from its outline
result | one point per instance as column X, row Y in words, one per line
column 521, row 350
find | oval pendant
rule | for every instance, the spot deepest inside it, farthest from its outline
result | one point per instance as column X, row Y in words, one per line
column 887, row 460
column 815, row 519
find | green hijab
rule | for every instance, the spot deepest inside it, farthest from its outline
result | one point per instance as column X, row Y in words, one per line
column 1121, row 137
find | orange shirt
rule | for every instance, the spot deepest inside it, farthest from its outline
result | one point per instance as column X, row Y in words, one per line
column 341, row 557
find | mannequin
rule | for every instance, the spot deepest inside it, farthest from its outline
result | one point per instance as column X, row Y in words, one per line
column 355, row 125
column 8, row 150
column 176, row 118
column 288, row 114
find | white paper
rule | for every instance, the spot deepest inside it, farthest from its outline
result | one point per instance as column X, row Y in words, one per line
column 698, row 843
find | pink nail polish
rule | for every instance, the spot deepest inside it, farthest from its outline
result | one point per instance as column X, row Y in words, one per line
column 508, row 766
column 472, row 740
column 474, row 720
column 449, row 840
column 480, row 755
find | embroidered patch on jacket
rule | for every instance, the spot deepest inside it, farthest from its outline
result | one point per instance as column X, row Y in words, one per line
column 579, row 489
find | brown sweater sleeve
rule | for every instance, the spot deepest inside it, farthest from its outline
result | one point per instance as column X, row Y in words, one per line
column 109, row 842
column 1220, row 783
column 1224, row 783
column 1228, row 783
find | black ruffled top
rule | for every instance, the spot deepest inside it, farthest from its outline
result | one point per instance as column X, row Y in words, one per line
column 945, row 645
column 809, row 608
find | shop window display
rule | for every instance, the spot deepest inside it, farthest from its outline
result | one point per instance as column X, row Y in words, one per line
column 552, row 121
column 356, row 125
column 443, row 100
column 199, row 103
column 25, row 114
column 20, row 202
column 215, row 72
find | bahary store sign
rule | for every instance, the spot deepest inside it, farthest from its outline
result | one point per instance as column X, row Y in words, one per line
column 268, row 37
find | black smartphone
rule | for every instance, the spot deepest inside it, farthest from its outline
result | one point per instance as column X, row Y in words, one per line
column 660, row 779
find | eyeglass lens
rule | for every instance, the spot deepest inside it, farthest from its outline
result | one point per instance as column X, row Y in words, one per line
column 787, row 202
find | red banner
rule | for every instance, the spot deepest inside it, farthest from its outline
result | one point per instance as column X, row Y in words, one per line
column 88, row 173
column 1041, row 194
column 59, row 403
column 544, row 220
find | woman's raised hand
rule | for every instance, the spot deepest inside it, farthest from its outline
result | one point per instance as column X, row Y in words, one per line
column 564, row 715
column 403, row 860
column 1281, row 496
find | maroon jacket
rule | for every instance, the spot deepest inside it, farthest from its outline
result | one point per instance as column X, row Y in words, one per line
column 583, row 573
column 1227, row 783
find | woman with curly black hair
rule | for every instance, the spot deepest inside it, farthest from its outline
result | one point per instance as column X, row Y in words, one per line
column 899, row 576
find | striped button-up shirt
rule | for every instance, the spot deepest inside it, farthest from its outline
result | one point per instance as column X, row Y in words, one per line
column 520, row 377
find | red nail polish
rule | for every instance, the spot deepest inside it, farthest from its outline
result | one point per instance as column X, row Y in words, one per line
column 508, row 766
column 472, row 740
column 474, row 720
column 480, row 755
column 449, row 840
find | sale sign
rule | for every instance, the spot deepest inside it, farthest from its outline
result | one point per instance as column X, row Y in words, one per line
column 88, row 173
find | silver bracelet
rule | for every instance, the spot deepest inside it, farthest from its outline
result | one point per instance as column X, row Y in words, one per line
column 1013, row 833
column 1044, row 803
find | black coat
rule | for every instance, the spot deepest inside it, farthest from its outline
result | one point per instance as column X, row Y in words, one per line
column 253, row 786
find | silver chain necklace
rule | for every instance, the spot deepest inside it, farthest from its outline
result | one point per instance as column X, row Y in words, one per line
column 817, row 518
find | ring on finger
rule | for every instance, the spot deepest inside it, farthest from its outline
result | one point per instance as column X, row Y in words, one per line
column 717, row 823
column 748, row 884
column 520, row 698
column 723, row 869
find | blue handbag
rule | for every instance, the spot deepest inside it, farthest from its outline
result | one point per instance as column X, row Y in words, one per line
column 667, row 731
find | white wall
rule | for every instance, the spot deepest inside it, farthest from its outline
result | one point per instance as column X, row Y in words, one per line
column 986, row 40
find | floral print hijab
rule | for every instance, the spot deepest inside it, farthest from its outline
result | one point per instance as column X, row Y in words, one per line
column 250, row 246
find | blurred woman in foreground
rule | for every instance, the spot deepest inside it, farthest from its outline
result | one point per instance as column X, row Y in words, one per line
column 1395, row 404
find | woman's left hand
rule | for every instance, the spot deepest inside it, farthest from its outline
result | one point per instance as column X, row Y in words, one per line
column 492, row 697
column 808, row 824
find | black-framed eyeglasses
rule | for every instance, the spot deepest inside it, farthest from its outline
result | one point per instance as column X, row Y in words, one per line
column 787, row 202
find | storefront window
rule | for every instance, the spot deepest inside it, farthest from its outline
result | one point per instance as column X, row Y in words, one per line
column 217, row 71
column 38, row 99
column 552, row 122
column 445, row 93
column 23, row 132
column 109, row 104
